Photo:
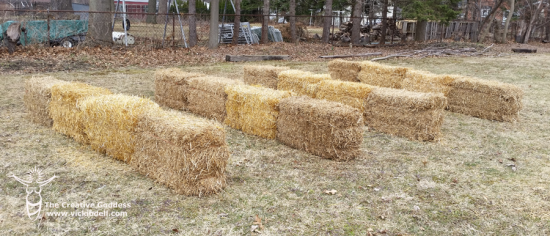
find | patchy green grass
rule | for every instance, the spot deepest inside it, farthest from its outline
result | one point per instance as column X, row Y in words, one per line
column 460, row 185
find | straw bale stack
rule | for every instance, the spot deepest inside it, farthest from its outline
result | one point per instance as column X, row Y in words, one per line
column 344, row 70
column 110, row 122
column 254, row 110
column 171, row 87
column 349, row 93
column 323, row 128
column 66, row 115
column 426, row 82
column 300, row 82
column 266, row 76
column 414, row 115
column 186, row 153
column 207, row 96
column 485, row 99
column 382, row 75
column 38, row 93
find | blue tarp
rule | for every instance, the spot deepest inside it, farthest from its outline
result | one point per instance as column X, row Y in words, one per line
column 37, row 31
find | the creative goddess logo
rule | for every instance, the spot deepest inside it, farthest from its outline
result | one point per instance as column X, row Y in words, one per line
column 33, row 186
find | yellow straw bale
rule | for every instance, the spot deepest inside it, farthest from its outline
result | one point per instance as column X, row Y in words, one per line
column 266, row 76
column 254, row 110
column 426, row 82
column 66, row 115
column 110, row 122
column 349, row 93
column 171, row 87
column 186, row 153
column 485, row 99
column 327, row 129
column 207, row 96
column 417, row 116
column 344, row 70
column 300, row 82
column 382, row 75
column 38, row 93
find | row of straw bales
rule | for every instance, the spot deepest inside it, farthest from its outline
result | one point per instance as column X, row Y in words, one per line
column 172, row 86
column 471, row 96
column 261, row 111
column 414, row 115
column 186, row 153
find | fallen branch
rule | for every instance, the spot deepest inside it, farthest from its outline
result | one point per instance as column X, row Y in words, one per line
column 388, row 57
column 356, row 55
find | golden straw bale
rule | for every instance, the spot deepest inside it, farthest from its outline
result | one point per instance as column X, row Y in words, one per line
column 414, row 115
column 171, row 87
column 382, row 75
column 66, row 115
column 38, row 94
column 349, row 93
column 344, row 70
column 426, row 82
column 265, row 76
column 323, row 128
column 254, row 110
column 110, row 122
column 300, row 82
column 186, row 153
column 207, row 96
column 485, row 99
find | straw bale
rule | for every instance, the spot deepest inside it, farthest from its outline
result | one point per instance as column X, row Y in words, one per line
column 207, row 96
column 382, row 75
column 266, row 76
column 186, row 153
column 171, row 87
column 414, row 115
column 344, row 70
column 38, row 93
column 349, row 93
column 300, row 82
column 254, row 110
column 485, row 99
column 426, row 82
column 110, row 122
column 66, row 115
column 324, row 128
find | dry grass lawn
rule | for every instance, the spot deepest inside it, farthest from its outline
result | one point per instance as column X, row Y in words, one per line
column 464, row 184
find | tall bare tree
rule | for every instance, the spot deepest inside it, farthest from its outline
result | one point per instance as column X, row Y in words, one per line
column 163, row 9
column 534, row 17
column 327, row 21
column 292, row 9
column 237, row 23
column 356, row 28
column 100, row 24
column 384, row 27
column 214, row 21
column 265, row 22
column 508, row 19
column 193, row 39
column 151, row 10
column 486, row 23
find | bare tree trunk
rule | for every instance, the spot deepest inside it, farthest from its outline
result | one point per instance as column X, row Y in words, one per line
column 508, row 19
column 265, row 22
column 420, row 31
column 163, row 10
column 489, row 18
column 237, row 23
column 467, row 9
column 151, row 10
column 547, row 38
column 384, row 27
column 214, row 21
column 100, row 24
column 327, row 21
column 292, row 9
column 193, row 39
column 534, row 18
column 356, row 28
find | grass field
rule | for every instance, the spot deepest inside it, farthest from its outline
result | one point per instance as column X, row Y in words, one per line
column 463, row 184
